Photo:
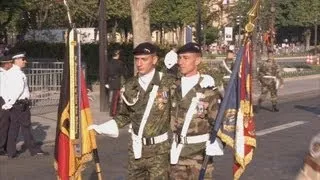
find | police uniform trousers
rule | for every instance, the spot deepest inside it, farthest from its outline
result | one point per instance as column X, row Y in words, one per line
column 115, row 97
column 4, row 125
column 20, row 117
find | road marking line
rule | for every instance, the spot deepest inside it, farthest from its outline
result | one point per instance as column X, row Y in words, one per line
column 279, row 128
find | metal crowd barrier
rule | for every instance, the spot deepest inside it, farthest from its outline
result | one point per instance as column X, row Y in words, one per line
column 44, row 81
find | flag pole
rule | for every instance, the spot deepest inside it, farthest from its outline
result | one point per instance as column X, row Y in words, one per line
column 250, row 26
column 79, row 73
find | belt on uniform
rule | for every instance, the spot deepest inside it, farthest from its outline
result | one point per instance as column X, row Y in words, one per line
column 153, row 140
column 22, row 101
column 269, row 77
column 191, row 139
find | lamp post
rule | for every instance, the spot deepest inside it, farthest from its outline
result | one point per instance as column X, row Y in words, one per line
column 199, row 21
column 315, row 36
column 238, row 22
column 102, row 56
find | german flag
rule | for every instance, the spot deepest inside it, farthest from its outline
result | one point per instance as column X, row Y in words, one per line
column 74, row 145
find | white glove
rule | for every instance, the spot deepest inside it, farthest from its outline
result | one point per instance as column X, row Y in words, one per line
column 107, row 86
column 214, row 149
column 6, row 106
column 109, row 128
column 315, row 146
column 207, row 81
column 170, row 59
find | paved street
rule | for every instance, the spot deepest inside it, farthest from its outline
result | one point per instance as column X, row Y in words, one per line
column 279, row 154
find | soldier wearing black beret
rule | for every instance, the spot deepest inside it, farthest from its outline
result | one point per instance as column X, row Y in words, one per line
column 146, row 107
column 194, row 106
column 190, row 48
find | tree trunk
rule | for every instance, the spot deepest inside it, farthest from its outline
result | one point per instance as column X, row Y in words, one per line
column 181, row 37
column 307, row 36
column 161, row 36
column 114, row 32
column 140, row 21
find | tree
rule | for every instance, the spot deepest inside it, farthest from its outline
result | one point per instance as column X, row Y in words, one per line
column 118, row 15
column 299, row 13
column 168, row 15
column 140, row 21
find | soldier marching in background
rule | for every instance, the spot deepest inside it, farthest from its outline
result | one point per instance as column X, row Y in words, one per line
column 17, row 101
column 5, row 65
column 194, row 108
column 269, row 76
column 225, row 68
column 146, row 108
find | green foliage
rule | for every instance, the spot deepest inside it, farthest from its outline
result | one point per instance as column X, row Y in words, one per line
column 172, row 14
column 212, row 34
column 297, row 12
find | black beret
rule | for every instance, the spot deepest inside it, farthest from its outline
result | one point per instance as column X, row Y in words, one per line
column 190, row 48
column 145, row 48
column 5, row 59
column 19, row 55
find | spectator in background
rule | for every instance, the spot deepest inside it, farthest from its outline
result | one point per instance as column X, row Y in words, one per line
column 116, row 73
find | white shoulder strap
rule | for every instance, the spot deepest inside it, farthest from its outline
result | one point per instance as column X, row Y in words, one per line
column 226, row 67
column 190, row 112
column 146, row 113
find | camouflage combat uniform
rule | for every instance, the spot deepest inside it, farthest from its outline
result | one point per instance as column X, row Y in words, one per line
column 225, row 72
column 154, row 163
column 192, row 155
column 269, row 68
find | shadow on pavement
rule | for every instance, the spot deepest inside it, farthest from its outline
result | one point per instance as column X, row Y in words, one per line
column 312, row 109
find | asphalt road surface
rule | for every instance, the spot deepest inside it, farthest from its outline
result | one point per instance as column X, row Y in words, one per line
column 283, row 140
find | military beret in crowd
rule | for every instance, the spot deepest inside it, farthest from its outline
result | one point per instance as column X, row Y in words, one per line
column 19, row 55
column 5, row 59
column 190, row 48
column 145, row 48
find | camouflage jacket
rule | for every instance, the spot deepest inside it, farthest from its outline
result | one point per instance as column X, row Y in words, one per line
column 202, row 119
column 159, row 119
column 224, row 71
column 269, row 68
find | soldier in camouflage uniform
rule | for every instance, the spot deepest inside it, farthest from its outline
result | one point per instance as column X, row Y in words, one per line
column 194, row 107
column 270, row 78
column 146, row 108
column 225, row 69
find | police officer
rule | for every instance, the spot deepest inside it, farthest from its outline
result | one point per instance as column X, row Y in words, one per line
column 270, row 79
column 194, row 108
column 5, row 65
column 146, row 98
column 116, row 70
column 17, row 101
